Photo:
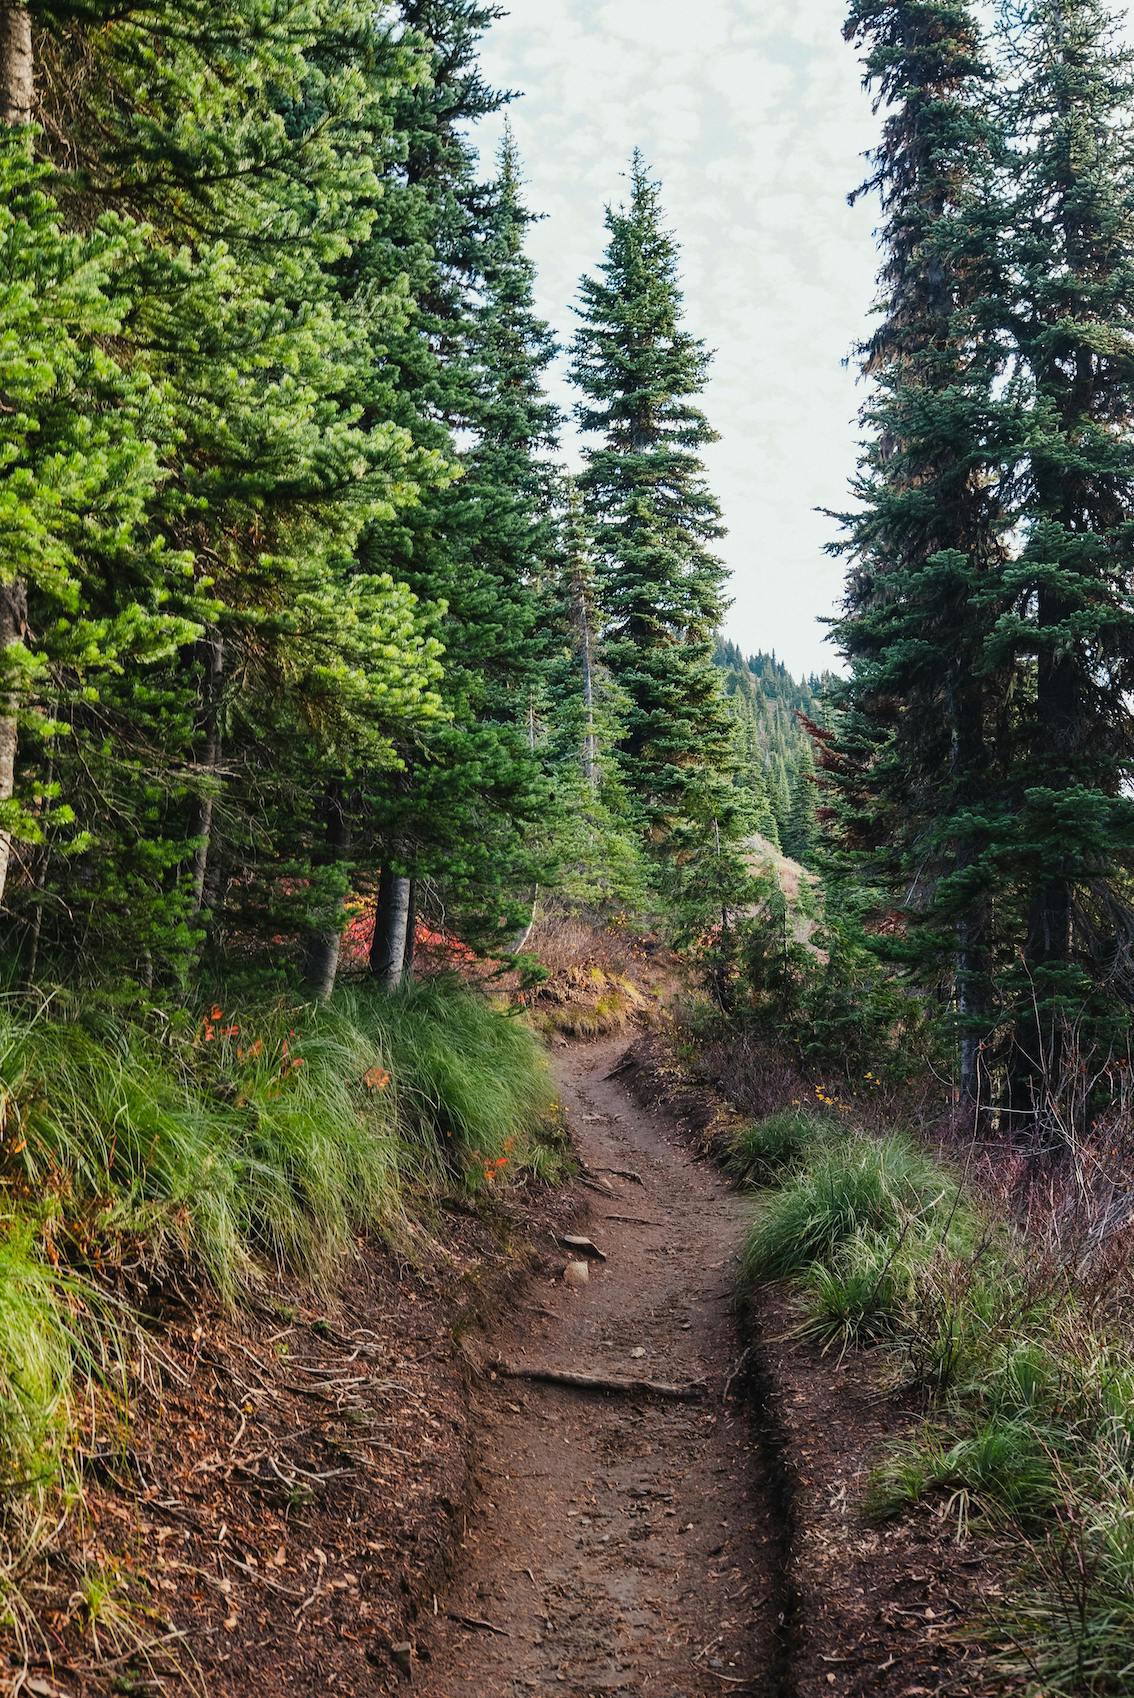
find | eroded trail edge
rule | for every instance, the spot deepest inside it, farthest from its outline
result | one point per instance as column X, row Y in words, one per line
column 623, row 1542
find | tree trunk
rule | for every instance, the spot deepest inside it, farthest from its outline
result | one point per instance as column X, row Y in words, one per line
column 582, row 606
column 972, row 1002
column 323, row 943
column 13, row 623
column 212, row 658
column 521, row 939
column 411, row 934
column 590, row 741
column 391, row 923
column 17, row 97
column 17, row 65
column 1047, row 950
column 35, row 926
column 969, row 772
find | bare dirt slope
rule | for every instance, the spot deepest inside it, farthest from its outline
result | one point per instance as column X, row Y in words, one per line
column 621, row 1544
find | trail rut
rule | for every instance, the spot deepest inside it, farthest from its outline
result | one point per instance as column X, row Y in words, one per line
column 620, row 1544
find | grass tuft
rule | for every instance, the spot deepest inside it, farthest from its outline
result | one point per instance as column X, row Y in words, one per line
column 858, row 1298
column 1031, row 1411
column 764, row 1151
column 859, row 1186
column 1004, row 1464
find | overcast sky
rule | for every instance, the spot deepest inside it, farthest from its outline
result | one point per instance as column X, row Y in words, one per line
column 751, row 114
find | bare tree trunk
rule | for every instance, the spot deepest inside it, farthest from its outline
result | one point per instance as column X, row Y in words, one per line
column 391, row 922
column 522, row 938
column 972, row 1003
column 323, row 943
column 13, row 623
column 580, row 590
column 972, row 968
column 17, row 98
column 590, row 740
column 1060, row 719
column 582, row 600
column 411, row 935
column 35, row 928
column 17, row 65
column 212, row 657
column 17, row 93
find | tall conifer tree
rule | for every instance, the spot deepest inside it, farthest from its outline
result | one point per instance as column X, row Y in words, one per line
column 1072, row 620
column 243, row 156
column 468, row 812
column 927, row 538
column 655, row 523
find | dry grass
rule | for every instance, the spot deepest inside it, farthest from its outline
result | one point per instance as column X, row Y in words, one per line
column 600, row 979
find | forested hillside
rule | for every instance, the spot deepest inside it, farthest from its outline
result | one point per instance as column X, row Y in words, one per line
column 773, row 748
column 366, row 720
column 315, row 665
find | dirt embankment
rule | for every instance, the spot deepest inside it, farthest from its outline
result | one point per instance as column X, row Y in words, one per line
column 292, row 1485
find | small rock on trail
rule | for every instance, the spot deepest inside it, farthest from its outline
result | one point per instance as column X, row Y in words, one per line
column 621, row 1544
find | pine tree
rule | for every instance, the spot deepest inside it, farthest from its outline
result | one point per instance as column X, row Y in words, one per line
column 927, row 542
column 592, row 852
column 471, row 809
column 655, row 522
column 243, row 157
column 748, row 758
column 1072, row 841
column 801, row 830
column 84, row 583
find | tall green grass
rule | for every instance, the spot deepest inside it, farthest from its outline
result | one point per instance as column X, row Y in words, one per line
column 228, row 1140
column 1029, row 1411
column 859, row 1186
column 764, row 1151
column 274, row 1131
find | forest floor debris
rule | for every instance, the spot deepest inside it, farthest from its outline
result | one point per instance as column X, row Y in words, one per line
column 292, row 1486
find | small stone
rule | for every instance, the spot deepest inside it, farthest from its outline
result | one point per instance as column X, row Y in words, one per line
column 637, row 1353
column 403, row 1657
column 576, row 1273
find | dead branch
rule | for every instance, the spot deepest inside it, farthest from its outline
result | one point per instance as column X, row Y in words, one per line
column 686, row 1391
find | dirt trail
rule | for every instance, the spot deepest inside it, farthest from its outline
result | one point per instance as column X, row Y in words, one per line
column 620, row 1544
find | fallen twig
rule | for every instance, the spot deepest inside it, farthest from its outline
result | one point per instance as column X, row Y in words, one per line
column 685, row 1391
column 478, row 1621
column 741, row 1364
column 634, row 1220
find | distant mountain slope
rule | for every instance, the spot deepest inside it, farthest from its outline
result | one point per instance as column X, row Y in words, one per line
column 774, row 749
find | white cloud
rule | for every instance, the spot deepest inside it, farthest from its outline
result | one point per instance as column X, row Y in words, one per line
column 751, row 113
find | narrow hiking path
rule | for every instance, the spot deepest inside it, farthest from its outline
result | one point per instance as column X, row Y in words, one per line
column 620, row 1544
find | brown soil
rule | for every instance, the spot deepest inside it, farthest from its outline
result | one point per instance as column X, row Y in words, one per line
column 293, row 1485
column 888, row 1610
column 622, row 1544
